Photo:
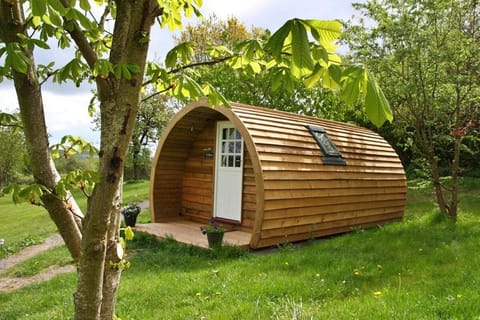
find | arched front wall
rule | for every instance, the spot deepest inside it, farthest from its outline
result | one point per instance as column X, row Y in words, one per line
column 166, row 193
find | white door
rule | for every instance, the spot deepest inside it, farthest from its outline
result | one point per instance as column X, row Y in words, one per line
column 229, row 172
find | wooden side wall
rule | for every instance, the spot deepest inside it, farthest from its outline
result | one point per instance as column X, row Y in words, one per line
column 305, row 198
column 198, row 178
column 249, row 202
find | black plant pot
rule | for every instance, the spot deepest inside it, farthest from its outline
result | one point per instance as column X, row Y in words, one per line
column 215, row 239
column 130, row 221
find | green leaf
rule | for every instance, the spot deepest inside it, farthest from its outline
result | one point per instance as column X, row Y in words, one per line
column 182, row 52
column 277, row 81
column 8, row 119
column 352, row 80
column 16, row 58
column 61, row 190
column 85, row 5
column 276, row 42
column 315, row 77
column 102, row 68
column 376, row 105
column 331, row 78
column 214, row 97
column 129, row 233
column 55, row 17
column 14, row 189
column 36, row 20
column 325, row 32
column 39, row 7
column 31, row 193
column 300, row 47
column 57, row 6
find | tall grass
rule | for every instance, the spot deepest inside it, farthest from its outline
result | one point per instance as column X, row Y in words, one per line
column 419, row 268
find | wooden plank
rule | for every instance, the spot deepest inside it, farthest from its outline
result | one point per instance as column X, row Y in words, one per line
column 301, row 133
column 332, row 192
column 331, row 184
column 328, row 217
column 335, row 130
column 326, row 208
column 352, row 222
column 339, row 175
column 269, row 126
column 266, row 242
column 332, row 201
column 272, row 148
column 197, row 206
column 203, row 191
column 369, row 167
column 311, row 158
column 310, row 144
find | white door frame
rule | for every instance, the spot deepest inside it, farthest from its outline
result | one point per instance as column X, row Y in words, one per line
column 228, row 172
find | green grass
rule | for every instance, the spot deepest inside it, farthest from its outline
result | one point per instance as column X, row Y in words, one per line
column 23, row 225
column 420, row 268
column 58, row 256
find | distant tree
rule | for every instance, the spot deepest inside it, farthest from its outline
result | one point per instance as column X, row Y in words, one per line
column 425, row 54
column 214, row 32
column 153, row 115
column 12, row 149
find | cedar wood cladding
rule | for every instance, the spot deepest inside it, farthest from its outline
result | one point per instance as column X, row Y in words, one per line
column 288, row 193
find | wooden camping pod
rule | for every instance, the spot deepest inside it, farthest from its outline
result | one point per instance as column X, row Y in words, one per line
column 288, row 192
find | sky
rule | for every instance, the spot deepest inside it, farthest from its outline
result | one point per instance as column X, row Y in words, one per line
column 66, row 105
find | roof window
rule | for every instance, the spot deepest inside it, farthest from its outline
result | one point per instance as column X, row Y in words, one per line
column 331, row 155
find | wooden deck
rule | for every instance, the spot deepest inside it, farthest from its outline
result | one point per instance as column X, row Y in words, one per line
column 188, row 232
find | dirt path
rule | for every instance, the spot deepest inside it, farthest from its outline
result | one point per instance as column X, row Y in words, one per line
column 12, row 283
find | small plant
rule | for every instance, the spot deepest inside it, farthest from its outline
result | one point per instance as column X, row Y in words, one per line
column 130, row 214
column 213, row 227
column 214, row 234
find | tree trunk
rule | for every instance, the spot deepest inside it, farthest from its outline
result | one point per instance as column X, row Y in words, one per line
column 135, row 159
column 437, row 185
column 453, row 207
column 30, row 101
column 112, row 272
column 119, row 99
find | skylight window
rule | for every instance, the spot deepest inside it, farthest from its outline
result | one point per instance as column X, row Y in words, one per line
column 331, row 155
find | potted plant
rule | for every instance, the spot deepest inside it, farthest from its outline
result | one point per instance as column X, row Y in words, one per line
column 130, row 214
column 214, row 233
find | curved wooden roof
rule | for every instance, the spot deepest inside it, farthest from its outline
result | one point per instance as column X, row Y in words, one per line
column 297, row 195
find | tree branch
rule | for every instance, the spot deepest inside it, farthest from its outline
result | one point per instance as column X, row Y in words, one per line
column 157, row 93
column 81, row 40
column 198, row 64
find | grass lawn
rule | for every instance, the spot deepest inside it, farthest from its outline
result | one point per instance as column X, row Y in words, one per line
column 23, row 225
column 419, row 268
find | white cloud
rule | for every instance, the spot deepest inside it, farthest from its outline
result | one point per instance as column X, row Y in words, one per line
column 239, row 9
column 64, row 114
